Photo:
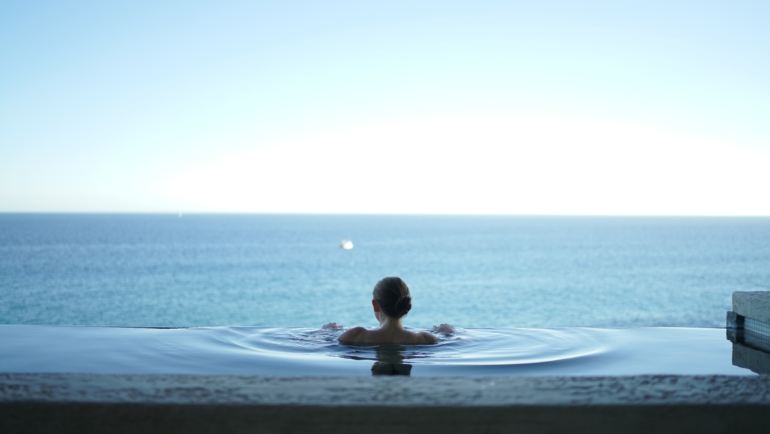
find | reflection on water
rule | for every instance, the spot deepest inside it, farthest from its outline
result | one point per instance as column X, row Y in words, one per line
column 389, row 358
column 751, row 358
column 313, row 352
column 751, row 343
column 390, row 361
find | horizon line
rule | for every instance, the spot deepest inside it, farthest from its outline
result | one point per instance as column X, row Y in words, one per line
column 373, row 214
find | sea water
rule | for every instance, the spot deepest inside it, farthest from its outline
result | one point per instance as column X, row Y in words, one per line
column 289, row 271
column 247, row 294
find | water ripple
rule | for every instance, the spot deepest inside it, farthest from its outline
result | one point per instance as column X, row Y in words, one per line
column 477, row 347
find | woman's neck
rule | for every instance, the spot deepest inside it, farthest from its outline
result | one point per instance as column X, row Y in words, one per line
column 389, row 323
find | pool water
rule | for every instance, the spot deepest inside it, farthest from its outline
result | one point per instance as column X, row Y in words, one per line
column 313, row 352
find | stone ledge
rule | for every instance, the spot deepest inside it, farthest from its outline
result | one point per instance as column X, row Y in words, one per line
column 752, row 304
column 84, row 403
column 388, row 391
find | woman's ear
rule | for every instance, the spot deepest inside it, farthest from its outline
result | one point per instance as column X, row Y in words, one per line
column 375, row 305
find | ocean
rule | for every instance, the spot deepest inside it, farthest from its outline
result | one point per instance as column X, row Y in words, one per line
column 289, row 270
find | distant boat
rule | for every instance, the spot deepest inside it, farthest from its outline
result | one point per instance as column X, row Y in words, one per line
column 346, row 244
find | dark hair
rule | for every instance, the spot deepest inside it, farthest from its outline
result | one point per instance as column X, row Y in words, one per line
column 392, row 294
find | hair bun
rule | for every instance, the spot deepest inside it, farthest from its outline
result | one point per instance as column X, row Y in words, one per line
column 403, row 305
column 392, row 294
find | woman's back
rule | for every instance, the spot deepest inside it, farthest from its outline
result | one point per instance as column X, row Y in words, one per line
column 360, row 335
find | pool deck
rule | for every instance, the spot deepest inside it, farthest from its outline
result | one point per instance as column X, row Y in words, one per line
column 91, row 403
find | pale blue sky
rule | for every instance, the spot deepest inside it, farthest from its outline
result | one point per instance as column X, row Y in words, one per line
column 554, row 107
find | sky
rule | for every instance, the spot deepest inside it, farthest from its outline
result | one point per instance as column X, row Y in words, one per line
column 430, row 107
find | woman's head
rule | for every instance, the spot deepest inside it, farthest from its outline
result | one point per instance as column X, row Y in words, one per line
column 392, row 295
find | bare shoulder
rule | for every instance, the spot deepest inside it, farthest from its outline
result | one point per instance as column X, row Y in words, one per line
column 428, row 337
column 354, row 334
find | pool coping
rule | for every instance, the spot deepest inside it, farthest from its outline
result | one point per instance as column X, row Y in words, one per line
column 65, row 403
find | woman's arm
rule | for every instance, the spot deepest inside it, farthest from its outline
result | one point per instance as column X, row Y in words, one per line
column 428, row 338
column 352, row 335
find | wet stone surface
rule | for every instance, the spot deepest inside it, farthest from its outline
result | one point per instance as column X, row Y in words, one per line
column 387, row 391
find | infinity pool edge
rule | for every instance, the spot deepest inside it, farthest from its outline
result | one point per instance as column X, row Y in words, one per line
column 202, row 403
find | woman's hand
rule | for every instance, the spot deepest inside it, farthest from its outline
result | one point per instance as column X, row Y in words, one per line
column 332, row 326
column 444, row 328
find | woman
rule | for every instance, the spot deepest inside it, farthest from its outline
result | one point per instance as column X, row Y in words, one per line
column 391, row 302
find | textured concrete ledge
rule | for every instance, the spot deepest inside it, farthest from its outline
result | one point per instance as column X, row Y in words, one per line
column 64, row 403
column 752, row 304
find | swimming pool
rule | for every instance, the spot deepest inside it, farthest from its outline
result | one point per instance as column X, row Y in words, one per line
column 313, row 352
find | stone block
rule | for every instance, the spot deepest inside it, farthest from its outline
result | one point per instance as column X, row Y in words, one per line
column 754, row 304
